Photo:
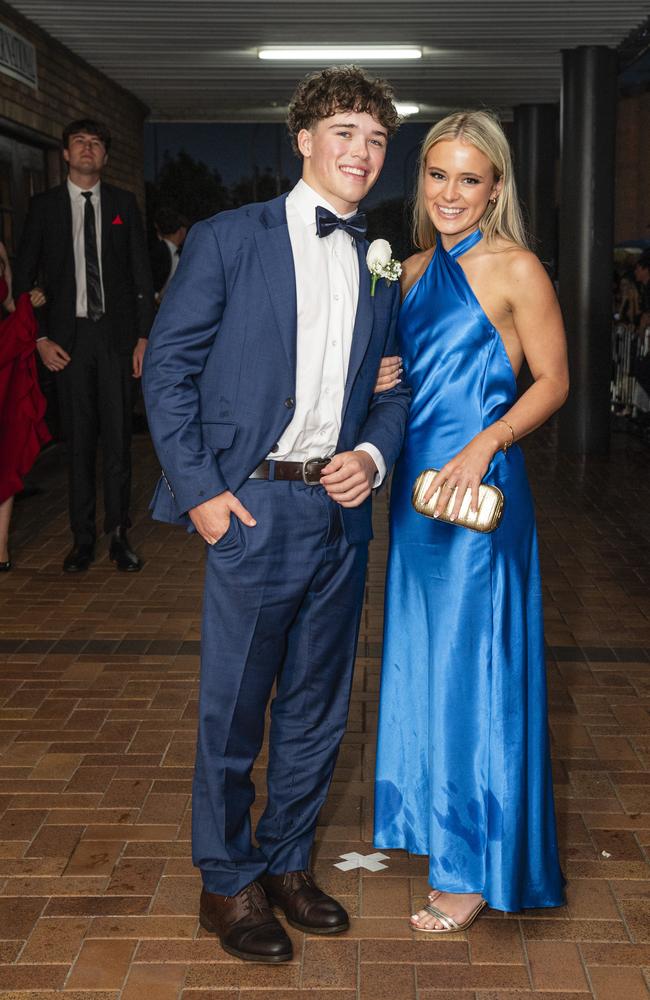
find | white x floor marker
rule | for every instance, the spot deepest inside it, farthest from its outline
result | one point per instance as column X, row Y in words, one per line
column 372, row 862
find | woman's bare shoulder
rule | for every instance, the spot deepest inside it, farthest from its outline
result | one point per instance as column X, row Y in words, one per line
column 514, row 265
column 520, row 276
column 513, row 259
column 413, row 268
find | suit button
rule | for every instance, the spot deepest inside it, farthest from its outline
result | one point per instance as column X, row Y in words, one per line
column 289, row 402
column 276, row 447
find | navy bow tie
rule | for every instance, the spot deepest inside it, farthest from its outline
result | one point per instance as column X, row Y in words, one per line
column 327, row 222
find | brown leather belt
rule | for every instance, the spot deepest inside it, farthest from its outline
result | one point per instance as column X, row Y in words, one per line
column 302, row 472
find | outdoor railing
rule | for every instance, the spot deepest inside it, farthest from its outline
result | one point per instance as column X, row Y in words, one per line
column 628, row 347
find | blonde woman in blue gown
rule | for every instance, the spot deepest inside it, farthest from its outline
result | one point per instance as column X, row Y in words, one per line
column 463, row 768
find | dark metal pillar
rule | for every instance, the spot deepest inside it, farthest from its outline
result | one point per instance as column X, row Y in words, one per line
column 536, row 148
column 586, row 231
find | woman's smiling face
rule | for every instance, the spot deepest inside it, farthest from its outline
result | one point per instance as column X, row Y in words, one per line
column 459, row 182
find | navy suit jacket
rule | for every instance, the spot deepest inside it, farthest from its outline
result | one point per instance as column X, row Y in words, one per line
column 219, row 374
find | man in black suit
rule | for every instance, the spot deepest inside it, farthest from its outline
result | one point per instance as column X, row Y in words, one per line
column 171, row 230
column 84, row 242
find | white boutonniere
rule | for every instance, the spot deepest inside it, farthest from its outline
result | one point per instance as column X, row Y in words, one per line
column 381, row 264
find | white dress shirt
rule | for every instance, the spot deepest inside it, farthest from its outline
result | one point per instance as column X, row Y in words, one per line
column 78, row 206
column 173, row 252
column 327, row 292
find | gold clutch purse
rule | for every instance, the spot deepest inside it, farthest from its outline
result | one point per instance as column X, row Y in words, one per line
column 490, row 504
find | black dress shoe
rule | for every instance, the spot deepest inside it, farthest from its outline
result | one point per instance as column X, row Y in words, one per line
column 27, row 492
column 79, row 559
column 305, row 905
column 245, row 925
column 5, row 566
column 122, row 555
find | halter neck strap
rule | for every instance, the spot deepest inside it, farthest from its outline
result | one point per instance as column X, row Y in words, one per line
column 466, row 244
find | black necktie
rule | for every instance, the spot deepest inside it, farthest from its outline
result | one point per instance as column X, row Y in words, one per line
column 95, row 309
column 327, row 222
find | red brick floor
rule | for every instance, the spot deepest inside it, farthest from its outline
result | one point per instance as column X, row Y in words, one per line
column 98, row 681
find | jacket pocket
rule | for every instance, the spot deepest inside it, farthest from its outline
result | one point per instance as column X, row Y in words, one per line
column 218, row 435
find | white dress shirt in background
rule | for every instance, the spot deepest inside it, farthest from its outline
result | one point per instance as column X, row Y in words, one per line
column 327, row 292
column 173, row 252
column 78, row 206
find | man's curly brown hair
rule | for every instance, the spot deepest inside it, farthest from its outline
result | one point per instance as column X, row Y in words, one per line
column 340, row 88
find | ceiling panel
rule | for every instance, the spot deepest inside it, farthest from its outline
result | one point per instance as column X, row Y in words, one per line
column 197, row 59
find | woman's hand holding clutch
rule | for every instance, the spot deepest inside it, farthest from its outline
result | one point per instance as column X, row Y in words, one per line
column 466, row 471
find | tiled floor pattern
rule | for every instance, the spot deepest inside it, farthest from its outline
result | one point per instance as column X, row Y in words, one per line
column 98, row 681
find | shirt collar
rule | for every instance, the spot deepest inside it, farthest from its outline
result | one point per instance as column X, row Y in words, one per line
column 304, row 201
column 74, row 190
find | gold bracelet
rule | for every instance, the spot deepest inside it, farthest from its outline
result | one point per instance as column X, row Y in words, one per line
column 507, row 444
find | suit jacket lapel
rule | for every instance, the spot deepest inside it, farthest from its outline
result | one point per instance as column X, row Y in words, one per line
column 107, row 217
column 65, row 211
column 362, row 325
column 276, row 257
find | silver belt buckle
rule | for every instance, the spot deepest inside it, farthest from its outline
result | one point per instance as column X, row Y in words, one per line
column 311, row 467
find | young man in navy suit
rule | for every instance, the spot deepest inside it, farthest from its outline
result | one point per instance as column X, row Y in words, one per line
column 259, row 382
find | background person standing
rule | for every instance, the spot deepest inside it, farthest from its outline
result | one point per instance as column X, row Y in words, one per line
column 171, row 230
column 22, row 405
column 86, row 239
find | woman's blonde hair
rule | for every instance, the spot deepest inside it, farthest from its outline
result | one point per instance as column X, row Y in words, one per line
column 483, row 131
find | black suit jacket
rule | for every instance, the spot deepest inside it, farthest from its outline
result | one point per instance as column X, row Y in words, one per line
column 46, row 256
column 161, row 264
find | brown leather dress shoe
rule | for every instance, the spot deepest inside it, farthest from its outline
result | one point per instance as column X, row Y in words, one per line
column 245, row 925
column 305, row 905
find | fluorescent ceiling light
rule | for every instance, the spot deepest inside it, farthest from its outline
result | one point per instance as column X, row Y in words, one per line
column 406, row 109
column 320, row 53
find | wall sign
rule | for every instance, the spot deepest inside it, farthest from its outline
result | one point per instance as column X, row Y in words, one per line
column 17, row 57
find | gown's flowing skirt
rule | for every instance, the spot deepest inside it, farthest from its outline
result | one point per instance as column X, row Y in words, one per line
column 463, row 772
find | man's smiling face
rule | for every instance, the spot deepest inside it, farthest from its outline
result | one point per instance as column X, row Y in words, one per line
column 343, row 156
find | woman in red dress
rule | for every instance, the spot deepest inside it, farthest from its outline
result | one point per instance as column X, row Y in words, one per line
column 22, row 404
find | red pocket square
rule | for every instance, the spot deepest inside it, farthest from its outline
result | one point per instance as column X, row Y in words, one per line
column 117, row 221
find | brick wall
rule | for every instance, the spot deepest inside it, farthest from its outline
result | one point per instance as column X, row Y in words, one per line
column 633, row 168
column 69, row 88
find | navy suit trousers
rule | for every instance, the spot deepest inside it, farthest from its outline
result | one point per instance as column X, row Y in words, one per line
column 282, row 606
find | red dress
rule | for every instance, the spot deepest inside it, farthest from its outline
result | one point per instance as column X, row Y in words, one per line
column 22, row 405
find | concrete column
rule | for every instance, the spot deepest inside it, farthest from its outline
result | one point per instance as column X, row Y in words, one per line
column 586, row 237
column 536, row 150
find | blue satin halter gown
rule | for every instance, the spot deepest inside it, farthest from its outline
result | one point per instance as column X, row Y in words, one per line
column 463, row 767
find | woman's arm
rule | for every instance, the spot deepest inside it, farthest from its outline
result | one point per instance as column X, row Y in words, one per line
column 390, row 369
column 5, row 272
column 538, row 322
column 531, row 299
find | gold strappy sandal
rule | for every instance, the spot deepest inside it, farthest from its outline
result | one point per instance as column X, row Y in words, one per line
column 449, row 925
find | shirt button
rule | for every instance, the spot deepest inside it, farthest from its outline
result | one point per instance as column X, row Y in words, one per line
column 334, row 343
column 336, row 298
column 289, row 402
column 276, row 447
